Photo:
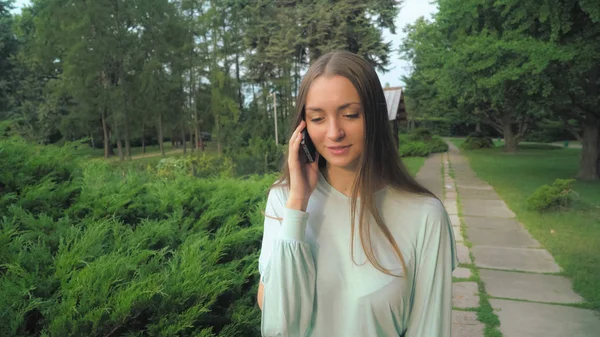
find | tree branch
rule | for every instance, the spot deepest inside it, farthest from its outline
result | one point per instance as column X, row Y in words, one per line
column 573, row 131
column 494, row 121
column 523, row 127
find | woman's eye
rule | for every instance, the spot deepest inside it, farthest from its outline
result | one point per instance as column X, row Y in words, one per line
column 314, row 120
column 352, row 116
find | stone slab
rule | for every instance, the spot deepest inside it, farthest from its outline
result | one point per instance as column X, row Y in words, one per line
column 531, row 287
column 458, row 237
column 451, row 207
column 490, row 208
column 465, row 324
column 455, row 220
column 522, row 319
column 460, row 272
column 472, row 183
column 463, row 253
column 465, row 295
column 450, row 195
column 518, row 238
column 476, row 193
column 521, row 259
column 491, row 223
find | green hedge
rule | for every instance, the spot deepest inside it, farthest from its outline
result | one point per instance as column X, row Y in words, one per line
column 477, row 140
column 90, row 250
column 421, row 143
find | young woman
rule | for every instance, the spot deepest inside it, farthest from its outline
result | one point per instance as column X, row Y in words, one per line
column 352, row 245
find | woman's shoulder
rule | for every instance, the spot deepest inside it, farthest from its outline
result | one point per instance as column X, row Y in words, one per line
column 424, row 205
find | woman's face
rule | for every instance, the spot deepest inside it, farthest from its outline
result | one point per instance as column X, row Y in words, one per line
column 335, row 121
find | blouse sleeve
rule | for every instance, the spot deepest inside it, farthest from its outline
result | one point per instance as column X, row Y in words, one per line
column 288, row 274
column 431, row 312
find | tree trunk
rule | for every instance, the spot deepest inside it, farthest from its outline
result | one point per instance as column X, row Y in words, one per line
column 143, row 138
column 218, row 129
column 92, row 139
column 192, row 140
column 589, row 165
column 478, row 127
column 120, row 148
column 107, row 149
column 128, row 148
column 200, row 141
column 127, row 142
column 111, row 151
column 239, row 82
column 510, row 139
column 183, row 139
column 160, row 135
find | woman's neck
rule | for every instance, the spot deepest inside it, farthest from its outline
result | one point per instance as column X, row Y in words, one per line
column 339, row 178
column 342, row 179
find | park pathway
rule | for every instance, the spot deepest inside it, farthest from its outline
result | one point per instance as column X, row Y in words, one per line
column 498, row 254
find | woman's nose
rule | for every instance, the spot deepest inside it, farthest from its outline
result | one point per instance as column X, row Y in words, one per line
column 335, row 131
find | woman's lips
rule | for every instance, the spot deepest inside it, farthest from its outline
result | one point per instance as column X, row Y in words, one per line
column 338, row 150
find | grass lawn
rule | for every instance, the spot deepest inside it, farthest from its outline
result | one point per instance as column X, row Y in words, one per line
column 413, row 164
column 572, row 237
column 137, row 151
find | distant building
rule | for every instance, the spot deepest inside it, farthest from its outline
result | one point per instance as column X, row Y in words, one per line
column 396, row 108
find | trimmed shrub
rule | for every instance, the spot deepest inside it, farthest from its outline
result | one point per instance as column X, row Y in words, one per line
column 477, row 140
column 420, row 148
column 422, row 134
column 437, row 145
column 414, row 149
column 557, row 196
column 93, row 250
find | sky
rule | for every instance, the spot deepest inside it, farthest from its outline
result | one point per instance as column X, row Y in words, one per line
column 410, row 11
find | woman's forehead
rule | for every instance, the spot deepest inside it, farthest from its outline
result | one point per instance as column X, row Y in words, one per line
column 331, row 91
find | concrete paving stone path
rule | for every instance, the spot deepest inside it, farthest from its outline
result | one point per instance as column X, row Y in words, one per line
column 522, row 319
column 464, row 323
column 515, row 269
column 516, row 238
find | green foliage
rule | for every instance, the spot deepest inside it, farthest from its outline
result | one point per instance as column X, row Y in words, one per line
column 557, row 196
column 421, row 143
column 202, row 166
column 260, row 156
column 421, row 134
column 477, row 140
column 92, row 250
column 414, row 149
column 437, row 145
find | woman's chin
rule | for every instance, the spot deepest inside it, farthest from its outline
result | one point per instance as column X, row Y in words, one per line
column 344, row 163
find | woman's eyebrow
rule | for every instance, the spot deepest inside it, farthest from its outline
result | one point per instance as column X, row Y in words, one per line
column 341, row 107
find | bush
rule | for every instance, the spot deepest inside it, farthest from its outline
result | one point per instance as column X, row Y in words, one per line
column 409, row 147
column 437, row 145
column 421, row 134
column 477, row 140
column 557, row 196
column 414, row 149
column 259, row 157
column 93, row 250
column 202, row 166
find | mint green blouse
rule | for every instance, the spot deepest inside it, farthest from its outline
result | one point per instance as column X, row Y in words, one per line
column 313, row 288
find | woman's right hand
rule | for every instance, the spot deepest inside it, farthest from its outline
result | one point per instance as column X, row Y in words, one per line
column 303, row 175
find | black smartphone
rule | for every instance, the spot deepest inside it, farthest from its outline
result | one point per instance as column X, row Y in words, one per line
column 308, row 147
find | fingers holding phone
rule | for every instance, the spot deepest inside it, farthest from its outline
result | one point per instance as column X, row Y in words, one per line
column 303, row 162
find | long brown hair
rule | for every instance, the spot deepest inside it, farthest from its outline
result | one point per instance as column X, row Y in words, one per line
column 379, row 162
